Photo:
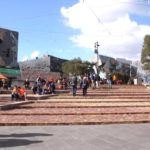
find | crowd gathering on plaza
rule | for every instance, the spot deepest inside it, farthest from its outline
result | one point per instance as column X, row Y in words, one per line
column 73, row 83
column 41, row 86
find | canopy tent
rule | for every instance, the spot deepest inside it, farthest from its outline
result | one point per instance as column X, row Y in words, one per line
column 3, row 77
column 10, row 72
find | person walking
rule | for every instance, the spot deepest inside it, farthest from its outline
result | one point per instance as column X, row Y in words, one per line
column 85, row 85
column 52, row 85
column 109, row 82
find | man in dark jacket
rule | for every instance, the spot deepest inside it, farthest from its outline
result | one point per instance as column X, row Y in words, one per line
column 74, row 85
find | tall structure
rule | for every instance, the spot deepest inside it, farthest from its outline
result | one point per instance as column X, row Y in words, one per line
column 98, row 61
column 8, row 52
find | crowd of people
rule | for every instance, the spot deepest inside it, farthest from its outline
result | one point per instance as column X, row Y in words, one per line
column 93, row 81
column 41, row 86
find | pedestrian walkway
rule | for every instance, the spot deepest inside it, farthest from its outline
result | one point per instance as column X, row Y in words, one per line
column 95, row 137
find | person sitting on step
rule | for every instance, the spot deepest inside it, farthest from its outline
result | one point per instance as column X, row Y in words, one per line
column 14, row 93
column 22, row 93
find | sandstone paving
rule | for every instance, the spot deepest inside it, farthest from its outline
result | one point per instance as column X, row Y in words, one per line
column 76, row 111
column 122, row 104
column 102, row 104
column 104, row 96
column 73, row 119
column 89, row 100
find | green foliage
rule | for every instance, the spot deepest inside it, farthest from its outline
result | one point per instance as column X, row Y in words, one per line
column 145, row 56
column 75, row 66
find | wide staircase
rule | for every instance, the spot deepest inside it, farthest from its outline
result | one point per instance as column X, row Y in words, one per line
column 121, row 104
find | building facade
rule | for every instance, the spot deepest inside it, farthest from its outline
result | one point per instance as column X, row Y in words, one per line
column 8, row 48
column 122, row 66
column 9, row 52
column 47, row 67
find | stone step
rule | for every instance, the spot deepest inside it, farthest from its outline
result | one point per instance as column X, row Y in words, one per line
column 114, row 94
column 77, row 111
column 73, row 119
column 86, row 105
column 103, row 97
column 91, row 100
column 7, row 97
column 148, row 92
column 79, row 96
column 122, row 104
column 4, row 102
column 12, row 105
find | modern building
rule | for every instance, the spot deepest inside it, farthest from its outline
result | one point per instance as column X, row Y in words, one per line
column 47, row 67
column 119, row 65
column 8, row 53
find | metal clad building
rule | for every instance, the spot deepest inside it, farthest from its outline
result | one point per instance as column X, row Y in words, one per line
column 9, row 53
column 46, row 66
column 8, row 48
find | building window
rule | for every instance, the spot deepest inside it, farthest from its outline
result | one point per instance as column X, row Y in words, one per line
column 8, row 52
column 1, row 41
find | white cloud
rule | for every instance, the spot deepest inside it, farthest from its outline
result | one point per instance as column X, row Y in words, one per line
column 25, row 58
column 108, row 22
column 34, row 54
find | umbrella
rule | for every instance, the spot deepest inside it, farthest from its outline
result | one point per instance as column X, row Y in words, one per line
column 3, row 77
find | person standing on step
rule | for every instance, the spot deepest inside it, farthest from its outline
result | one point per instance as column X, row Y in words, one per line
column 74, row 85
column 52, row 85
column 27, row 84
column 85, row 85
column 109, row 82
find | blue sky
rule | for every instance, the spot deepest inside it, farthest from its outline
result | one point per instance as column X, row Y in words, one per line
column 69, row 28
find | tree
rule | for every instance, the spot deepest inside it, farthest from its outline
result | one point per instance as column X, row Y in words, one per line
column 75, row 66
column 145, row 56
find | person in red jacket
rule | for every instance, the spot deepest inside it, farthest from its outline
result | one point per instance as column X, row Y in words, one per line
column 22, row 93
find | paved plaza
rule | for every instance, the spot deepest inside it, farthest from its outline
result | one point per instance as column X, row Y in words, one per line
column 106, row 119
column 89, row 137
